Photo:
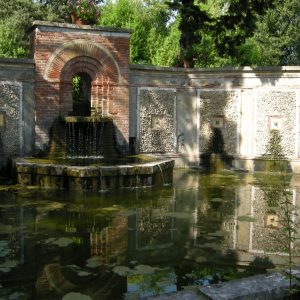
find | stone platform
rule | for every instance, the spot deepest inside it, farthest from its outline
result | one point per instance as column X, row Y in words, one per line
column 94, row 177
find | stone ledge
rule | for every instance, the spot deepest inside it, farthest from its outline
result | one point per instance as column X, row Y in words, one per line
column 259, row 287
column 74, row 27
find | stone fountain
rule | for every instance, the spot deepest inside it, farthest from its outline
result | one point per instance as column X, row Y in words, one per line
column 82, row 112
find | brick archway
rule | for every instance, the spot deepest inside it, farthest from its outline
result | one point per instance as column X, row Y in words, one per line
column 102, row 85
column 80, row 56
column 62, row 51
column 84, row 49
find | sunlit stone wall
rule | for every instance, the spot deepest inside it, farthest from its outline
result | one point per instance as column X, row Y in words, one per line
column 244, row 104
column 156, row 120
column 278, row 105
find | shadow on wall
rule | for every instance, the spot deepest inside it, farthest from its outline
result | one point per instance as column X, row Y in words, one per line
column 84, row 139
column 274, row 159
column 215, row 158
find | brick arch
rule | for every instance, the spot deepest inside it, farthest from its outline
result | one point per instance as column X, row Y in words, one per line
column 81, row 64
column 84, row 51
column 100, row 79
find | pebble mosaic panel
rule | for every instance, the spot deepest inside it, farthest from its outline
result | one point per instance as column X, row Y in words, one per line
column 271, row 104
column 156, row 111
column 219, row 103
column 10, row 104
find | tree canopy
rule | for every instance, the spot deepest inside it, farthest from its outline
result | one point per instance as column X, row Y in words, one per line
column 189, row 33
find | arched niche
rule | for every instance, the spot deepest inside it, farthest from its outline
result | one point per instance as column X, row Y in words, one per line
column 86, row 58
column 81, row 94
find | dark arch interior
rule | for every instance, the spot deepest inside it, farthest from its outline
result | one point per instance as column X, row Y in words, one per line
column 81, row 93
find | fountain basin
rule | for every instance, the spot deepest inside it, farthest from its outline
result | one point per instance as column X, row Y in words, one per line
column 94, row 177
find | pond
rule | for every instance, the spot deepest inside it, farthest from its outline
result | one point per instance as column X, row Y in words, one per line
column 134, row 243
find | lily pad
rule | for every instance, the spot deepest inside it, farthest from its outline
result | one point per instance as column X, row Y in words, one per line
column 8, row 265
column 94, row 262
column 61, row 242
column 144, row 269
column 217, row 234
column 76, row 296
column 217, row 200
column 246, row 218
column 122, row 270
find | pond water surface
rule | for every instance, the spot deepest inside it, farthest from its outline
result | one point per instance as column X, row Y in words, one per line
column 134, row 243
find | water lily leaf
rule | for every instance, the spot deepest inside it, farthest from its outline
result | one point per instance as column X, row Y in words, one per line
column 217, row 200
column 246, row 218
column 217, row 233
column 144, row 269
column 76, row 296
column 8, row 265
column 122, row 270
column 61, row 242
column 94, row 262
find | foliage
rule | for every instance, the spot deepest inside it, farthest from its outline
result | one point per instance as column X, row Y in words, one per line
column 152, row 34
column 77, row 88
column 86, row 10
column 228, row 27
column 277, row 37
column 15, row 19
column 210, row 33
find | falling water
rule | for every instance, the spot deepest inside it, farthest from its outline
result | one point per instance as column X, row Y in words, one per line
column 84, row 139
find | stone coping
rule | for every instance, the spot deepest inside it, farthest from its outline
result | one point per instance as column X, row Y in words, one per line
column 246, row 69
column 18, row 61
column 146, row 168
column 75, row 27
column 79, row 119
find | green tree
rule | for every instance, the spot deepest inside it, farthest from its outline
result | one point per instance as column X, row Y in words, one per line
column 15, row 19
column 277, row 37
column 228, row 26
column 149, row 22
column 60, row 9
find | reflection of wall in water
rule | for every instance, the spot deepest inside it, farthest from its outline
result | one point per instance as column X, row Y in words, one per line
column 111, row 241
column 216, row 218
column 266, row 231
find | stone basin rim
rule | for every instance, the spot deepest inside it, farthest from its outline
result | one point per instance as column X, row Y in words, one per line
column 24, row 162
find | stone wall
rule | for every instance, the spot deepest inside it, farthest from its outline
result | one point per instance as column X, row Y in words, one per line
column 219, row 106
column 16, row 108
column 245, row 104
column 171, row 111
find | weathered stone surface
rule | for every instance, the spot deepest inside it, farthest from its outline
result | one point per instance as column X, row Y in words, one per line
column 94, row 177
column 222, row 104
column 181, row 295
column 157, row 115
column 260, row 287
column 280, row 103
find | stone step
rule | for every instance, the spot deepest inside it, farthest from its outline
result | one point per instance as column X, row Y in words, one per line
column 259, row 287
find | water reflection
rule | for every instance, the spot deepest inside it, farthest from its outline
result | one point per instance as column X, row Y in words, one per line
column 136, row 243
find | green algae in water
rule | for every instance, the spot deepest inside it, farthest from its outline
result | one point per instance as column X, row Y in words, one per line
column 133, row 232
